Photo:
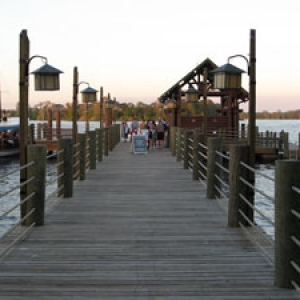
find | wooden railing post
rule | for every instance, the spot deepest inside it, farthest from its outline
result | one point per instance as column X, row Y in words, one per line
column 202, row 160
column 106, row 139
column 238, row 154
column 76, row 159
column 92, row 149
column 287, row 174
column 173, row 140
column 99, row 133
column 178, row 144
column 196, row 139
column 31, row 137
column 186, row 149
column 214, row 144
column 110, row 139
column 81, row 138
column 37, row 186
column 65, row 161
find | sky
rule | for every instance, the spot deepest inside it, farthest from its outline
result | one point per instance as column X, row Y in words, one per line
column 137, row 49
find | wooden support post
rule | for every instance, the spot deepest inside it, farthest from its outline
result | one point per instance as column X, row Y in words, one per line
column 31, row 134
column 252, row 97
column 286, row 146
column 196, row 139
column 186, row 149
column 101, row 108
column 202, row 161
column 287, row 175
column 110, row 142
column 65, row 161
column 81, row 138
column 238, row 154
column 49, row 133
column 37, row 186
column 113, row 137
column 106, row 139
column 99, row 133
column 178, row 144
column 92, row 149
column 58, row 127
column 23, row 99
column 213, row 144
column 39, row 131
column 173, row 140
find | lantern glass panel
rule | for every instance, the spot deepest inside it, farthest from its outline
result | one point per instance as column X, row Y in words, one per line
column 191, row 97
column 233, row 81
column 88, row 97
column 47, row 82
column 224, row 80
column 219, row 80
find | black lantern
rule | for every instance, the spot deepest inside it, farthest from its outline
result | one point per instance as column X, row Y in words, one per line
column 171, row 103
column 191, row 94
column 227, row 76
column 89, row 95
column 47, row 78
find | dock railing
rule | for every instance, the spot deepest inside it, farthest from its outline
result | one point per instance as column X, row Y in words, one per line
column 227, row 176
column 72, row 159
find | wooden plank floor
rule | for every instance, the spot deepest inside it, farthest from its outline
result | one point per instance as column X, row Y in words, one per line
column 137, row 228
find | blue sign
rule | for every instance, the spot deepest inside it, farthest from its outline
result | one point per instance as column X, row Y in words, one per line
column 139, row 144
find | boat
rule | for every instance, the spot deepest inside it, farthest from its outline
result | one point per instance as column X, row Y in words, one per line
column 9, row 139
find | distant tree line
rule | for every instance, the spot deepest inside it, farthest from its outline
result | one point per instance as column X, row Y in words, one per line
column 140, row 110
column 292, row 114
column 121, row 111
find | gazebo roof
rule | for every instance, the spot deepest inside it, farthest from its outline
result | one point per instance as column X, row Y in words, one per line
column 199, row 70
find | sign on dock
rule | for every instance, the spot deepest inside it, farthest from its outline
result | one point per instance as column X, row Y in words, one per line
column 139, row 144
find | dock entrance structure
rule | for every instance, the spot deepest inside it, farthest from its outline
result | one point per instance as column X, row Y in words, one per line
column 198, row 85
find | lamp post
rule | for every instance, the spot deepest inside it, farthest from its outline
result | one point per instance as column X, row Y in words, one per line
column 46, row 79
column 89, row 95
column 229, row 77
column 101, row 107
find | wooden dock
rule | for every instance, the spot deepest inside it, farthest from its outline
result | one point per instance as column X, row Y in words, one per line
column 137, row 228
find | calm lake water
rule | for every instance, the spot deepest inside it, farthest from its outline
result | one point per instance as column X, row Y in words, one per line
column 9, row 164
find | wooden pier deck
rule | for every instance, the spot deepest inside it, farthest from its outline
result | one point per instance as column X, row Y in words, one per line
column 137, row 228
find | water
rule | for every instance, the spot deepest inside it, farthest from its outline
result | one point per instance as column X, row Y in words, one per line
column 8, row 182
column 9, row 164
column 290, row 126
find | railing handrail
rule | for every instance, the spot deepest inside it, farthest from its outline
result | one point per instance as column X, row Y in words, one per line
column 215, row 175
column 68, row 156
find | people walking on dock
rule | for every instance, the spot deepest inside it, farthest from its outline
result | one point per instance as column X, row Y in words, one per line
column 160, row 131
column 125, row 131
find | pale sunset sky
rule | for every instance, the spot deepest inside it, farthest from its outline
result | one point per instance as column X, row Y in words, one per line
column 137, row 49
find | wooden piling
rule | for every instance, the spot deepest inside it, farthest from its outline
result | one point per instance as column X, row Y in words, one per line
column 92, row 149
column 65, row 161
column 81, row 138
column 36, row 187
column 213, row 144
column 287, row 175
column 238, row 154
column 99, row 134
column 106, row 141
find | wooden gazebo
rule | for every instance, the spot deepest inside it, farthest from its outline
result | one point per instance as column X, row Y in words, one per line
column 201, row 80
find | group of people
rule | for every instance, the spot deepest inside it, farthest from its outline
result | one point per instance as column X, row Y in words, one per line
column 9, row 140
column 153, row 131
